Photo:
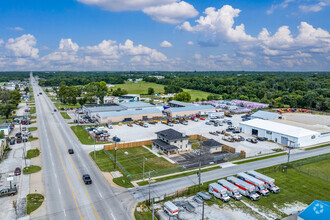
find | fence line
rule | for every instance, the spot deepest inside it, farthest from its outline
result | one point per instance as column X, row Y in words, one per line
column 314, row 173
column 118, row 164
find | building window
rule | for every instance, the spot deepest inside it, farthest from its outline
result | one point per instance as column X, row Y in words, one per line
column 268, row 132
column 313, row 137
column 175, row 142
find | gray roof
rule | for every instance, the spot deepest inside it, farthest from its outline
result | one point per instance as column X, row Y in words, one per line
column 211, row 143
column 265, row 115
column 129, row 112
column 193, row 108
column 174, row 102
column 105, row 107
column 165, row 146
column 172, row 134
column 131, row 105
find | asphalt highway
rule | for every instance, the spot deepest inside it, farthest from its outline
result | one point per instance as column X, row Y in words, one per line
column 66, row 194
column 171, row 186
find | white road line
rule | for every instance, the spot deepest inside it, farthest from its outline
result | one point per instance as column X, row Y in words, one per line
column 64, row 212
column 112, row 216
column 101, row 195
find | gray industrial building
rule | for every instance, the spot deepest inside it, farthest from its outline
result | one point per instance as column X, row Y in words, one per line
column 266, row 115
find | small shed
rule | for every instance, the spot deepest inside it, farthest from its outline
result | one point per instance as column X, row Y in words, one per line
column 212, row 146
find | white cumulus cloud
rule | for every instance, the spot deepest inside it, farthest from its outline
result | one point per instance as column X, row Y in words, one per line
column 190, row 43
column 68, row 45
column 165, row 43
column 173, row 13
column 315, row 7
column 23, row 46
column 16, row 29
column 220, row 24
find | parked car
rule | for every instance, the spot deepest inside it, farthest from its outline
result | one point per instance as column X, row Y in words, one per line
column 252, row 140
column 24, row 129
column 19, row 140
column 18, row 134
column 12, row 141
column 229, row 116
column 8, row 191
column 25, row 139
column 87, row 179
column 203, row 119
column 70, row 151
column 55, row 110
column 17, row 171
column 261, row 138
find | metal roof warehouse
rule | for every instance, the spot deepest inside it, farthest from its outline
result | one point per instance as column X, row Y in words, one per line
column 283, row 133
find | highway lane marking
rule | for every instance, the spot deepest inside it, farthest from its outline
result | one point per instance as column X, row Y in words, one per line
column 67, row 177
column 82, row 183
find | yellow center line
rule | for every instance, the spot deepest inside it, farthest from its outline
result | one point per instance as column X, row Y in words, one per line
column 82, row 183
column 58, row 151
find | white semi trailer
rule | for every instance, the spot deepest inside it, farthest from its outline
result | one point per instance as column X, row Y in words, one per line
column 245, row 188
column 267, row 180
column 233, row 190
column 260, row 186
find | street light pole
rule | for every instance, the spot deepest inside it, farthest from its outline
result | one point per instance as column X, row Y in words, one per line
column 115, row 152
column 94, row 147
column 287, row 165
column 200, row 164
column 149, row 189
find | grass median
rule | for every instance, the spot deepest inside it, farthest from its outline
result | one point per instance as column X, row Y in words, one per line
column 32, row 153
column 316, row 147
column 65, row 115
column 32, row 129
column 33, row 202
column 32, row 139
column 31, row 169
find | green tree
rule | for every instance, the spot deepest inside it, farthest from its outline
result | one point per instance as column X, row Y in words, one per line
column 119, row 92
column 7, row 109
column 151, row 91
column 27, row 89
column 183, row 96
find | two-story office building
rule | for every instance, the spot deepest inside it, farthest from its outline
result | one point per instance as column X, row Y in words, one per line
column 171, row 142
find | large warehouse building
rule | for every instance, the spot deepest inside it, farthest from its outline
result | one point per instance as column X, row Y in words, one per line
column 282, row 133
column 189, row 110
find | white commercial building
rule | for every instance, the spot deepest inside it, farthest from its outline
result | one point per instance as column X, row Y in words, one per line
column 282, row 133
column 266, row 115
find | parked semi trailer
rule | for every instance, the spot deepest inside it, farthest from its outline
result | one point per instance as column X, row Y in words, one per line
column 245, row 188
column 259, row 185
column 267, row 180
column 219, row 192
column 233, row 190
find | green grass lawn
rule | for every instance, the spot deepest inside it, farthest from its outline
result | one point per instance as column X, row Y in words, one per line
column 32, row 153
column 142, row 215
column 323, row 145
column 142, row 89
column 31, row 169
column 321, row 167
column 32, row 129
column 60, row 105
column 5, row 119
column 33, row 202
column 260, row 158
column 83, row 136
column 32, row 110
column 65, row 115
column 133, row 160
column 32, row 139
column 105, row 164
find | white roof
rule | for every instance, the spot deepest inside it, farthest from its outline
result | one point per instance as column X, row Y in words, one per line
column 280, row 128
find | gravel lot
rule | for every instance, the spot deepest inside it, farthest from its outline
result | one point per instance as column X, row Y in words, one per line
column 138, row 133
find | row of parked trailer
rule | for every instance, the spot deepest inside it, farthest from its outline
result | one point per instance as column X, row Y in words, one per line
column 250, row 184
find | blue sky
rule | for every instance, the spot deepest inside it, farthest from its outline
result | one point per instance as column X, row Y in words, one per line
column 285, row 35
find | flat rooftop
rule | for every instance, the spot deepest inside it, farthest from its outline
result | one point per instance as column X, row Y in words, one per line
column 280, row 128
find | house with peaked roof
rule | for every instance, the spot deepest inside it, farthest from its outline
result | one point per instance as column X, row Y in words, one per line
column 171, row 142
column 212, row 146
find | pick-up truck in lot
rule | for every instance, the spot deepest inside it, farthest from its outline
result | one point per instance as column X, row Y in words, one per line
column 8, row 192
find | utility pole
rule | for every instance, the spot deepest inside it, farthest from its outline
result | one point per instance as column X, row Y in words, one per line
column 143, row 169
column 94, row 147
column 153, row 211
column 203, row 211
column 149, row 189
column 287, row 165
column 115, row 152
column 200, row 163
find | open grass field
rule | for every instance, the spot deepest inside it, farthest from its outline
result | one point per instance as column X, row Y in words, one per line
column 65, row 115
column 132, row 160
column 32, row 110
column 321, row 167
column 5, row 119
column 34, row 201
column 60, row 105
column 142, row 89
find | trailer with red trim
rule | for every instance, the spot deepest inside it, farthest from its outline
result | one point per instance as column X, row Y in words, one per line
column 219, row 192
column 232, row 189
column 244, row 188
column 170, row 208
column 266, row 179
column 259, row 185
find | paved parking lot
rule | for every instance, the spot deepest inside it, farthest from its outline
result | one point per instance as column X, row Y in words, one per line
column 138, row 133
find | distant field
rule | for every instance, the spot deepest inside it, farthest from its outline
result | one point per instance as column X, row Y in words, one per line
column 142, row 88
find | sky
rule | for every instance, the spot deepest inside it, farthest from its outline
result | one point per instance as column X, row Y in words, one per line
column 166, row 35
